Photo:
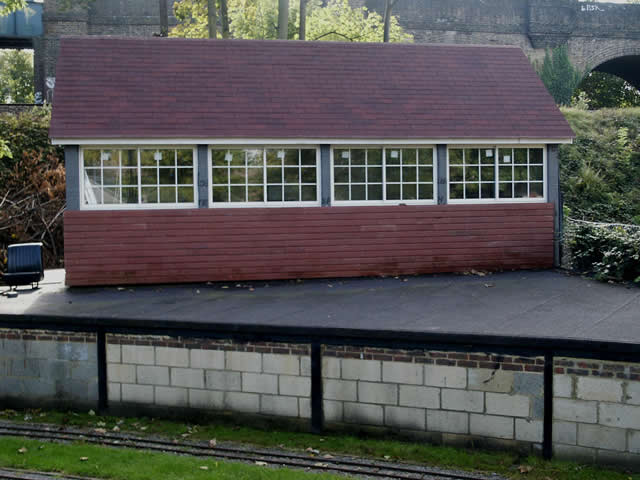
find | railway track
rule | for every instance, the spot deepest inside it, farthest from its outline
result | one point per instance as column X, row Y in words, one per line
column 269, row 457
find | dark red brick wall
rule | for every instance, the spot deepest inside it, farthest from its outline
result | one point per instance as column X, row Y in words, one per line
column 170, row 246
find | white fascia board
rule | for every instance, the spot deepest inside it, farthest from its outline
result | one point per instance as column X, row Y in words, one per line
column 306, row 141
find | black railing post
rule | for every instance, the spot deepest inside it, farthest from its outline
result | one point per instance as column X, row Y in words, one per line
column 317, row 413
column 101, row 345
column 547, row 433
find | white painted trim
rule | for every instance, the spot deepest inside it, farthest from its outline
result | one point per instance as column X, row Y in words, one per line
column 305, row 141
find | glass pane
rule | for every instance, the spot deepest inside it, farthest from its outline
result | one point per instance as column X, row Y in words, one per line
column 291, row 193
column 185, row 159
column 110, row 158
column 520, row 155
column 111, row 176
column 506, row 190
column 341, row 175
column 425, row 174
column 167, row 194
column 273, row 158
column 535, row 173
column 425, row 156
column 456, row 191
column 374, row 157
column 536, row 190
column 506, row 173
column 488, row 190
column 409, row 174
column 358, row 192
column 291, row 157
column 274, row 193
column 235, row 157
column 393, row 174
column 168, row 160
column 505, row 156
column 308, row 157
column 254, row 158
column 238, row 194
column 149, row 195
column 217, row 157
column 129, row 158
column 521, row 190
column 357, row 175
column 393, row 191
column 93, row 196
column 487, row 173
column 455, row 174
column 93, row 176
column 220, row 194
column 455, row 156
column 409, row 191
column 341, row 157
column 308, row 175
column 291, row 175
column 185, row 176
column 309, row 193
column 487, row 156
column 471, row 156
column 341, row 192
column 130, row 176
column 111, row 195
column 471, row 174
column 146, row 158
column 374, row 192
column 220, row 175
column 393, row 157
column 520, row 173
column 472, row 190
column 256, row 194
column 130, row 195
column 358, row 157
column 374, row 174
column 535, row 155
column 238, row 175
column 167, row 177
column 91, row 158
column 425, row 191
column 274, row 175
column 185, row 194
column 255, row 175
column 409, row 156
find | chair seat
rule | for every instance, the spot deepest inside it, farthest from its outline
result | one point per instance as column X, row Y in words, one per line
column 22, row 278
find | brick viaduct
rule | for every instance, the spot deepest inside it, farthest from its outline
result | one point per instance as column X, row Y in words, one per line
column 600, row 36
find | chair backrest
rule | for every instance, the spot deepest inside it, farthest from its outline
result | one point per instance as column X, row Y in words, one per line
column 25, row 257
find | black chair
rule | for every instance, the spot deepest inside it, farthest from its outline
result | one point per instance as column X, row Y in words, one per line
column 25, row 265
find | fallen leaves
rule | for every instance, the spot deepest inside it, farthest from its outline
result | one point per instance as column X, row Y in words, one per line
column 525, row 468
column 22, row 450
column 213, row 443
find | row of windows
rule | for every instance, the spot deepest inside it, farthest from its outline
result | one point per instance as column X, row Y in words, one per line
column 291, row 176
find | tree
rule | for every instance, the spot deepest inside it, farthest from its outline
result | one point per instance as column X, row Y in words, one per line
column 16, row 76
column 603, row 90
column 11, row 6
column 388, row 6
column 302, row 32
column 211, row 18
column 283, row 19
column 558, row 74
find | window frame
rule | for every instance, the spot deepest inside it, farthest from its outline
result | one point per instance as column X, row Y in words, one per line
column 384, row 147
column 139, row 205
column 265, row 203
column 496, row 199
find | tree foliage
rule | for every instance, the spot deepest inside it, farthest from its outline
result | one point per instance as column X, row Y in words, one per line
column 16, row 76
column 602, row 90
column 558, row 74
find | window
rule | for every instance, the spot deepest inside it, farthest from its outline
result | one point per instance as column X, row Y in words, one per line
column 493, row 174
column 264, row 176
column 138, row 177
column 383, row 175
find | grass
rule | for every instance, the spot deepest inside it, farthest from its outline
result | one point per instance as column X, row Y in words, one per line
column 225, row 429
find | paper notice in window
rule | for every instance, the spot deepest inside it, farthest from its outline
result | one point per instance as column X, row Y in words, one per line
column 506, row 159
column 489, row 153
column 345, row 154
column 394, row 154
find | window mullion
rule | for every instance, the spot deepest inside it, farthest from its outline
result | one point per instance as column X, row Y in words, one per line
column 384, row 174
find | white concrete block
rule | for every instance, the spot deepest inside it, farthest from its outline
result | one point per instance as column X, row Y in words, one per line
column 171, row 396
column 116, row 372
column 113, row 392
column 464, row 400
column 244, row 361
column 529, row 430
column 381, row 393
column 565, row 432
column 405, row 418
column 259, row 383
column 172, row 357
column 444, row 376
column 364, row 414
column 138, row 354
column 304, row 407
column 368, row 370
column 279, row 405
column 339, row 390
column 403, row 372
column 633, row 393
column 332, row 410
column 330, row 367
column 634, row 441
column 137, row 393
column 152, row 375
column 206, row 399
column 574, row 453
column 421, row 397
column 575, row 410
column 283, row 364
column 563, row 386
column 242, row 402
column 187, row 377
column 295, row 386
column 113, row 353
column 597, row 436
column 491, row 426
column 223, row 380
column 602, row 389
column 488, row 380
column 621, row 416
column 209, row 359
column 448, row 422
column 507, row 405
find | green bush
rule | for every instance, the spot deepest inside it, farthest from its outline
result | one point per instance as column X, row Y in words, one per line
column 610, row 251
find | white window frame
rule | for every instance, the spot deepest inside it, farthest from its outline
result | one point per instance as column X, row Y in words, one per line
column 265, row 203
column 384, row 201
column 139, row 205
column 497, row 199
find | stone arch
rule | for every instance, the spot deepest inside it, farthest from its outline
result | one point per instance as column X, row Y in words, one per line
column 620, row 57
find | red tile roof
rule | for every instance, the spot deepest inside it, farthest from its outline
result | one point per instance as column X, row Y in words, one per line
column 179, row 88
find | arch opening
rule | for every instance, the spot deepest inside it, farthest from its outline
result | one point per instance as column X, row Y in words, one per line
column 626, row 67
